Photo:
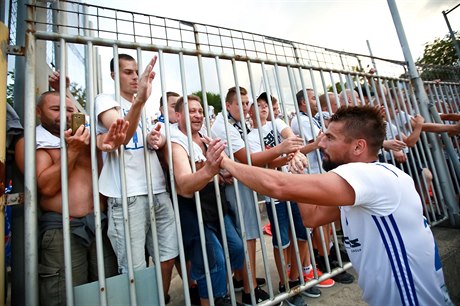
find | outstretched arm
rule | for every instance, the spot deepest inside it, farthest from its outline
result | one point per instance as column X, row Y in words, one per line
column 451, row 129
column 450, row 117
column 322, row 189
column 394, row 144
column 134, row 114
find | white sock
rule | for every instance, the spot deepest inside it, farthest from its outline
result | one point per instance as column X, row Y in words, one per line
column 307, row 269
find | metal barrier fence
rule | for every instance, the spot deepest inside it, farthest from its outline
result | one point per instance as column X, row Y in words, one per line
column 210, row 58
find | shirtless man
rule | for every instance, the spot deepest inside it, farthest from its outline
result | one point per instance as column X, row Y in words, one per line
column 80, row 196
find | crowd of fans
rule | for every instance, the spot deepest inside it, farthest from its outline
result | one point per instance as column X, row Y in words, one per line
column 253, row 133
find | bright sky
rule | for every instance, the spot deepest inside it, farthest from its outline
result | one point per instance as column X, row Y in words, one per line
column 336, row 24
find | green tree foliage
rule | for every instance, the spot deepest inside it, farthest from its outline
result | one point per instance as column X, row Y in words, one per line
column 10, row 88
column 79, row 93
column 213, row 99
column 338, row 87
column 440, row 60
column 440, row 52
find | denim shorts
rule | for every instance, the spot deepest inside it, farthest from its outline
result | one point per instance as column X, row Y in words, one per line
column 140, row 230
column 283, row 223
column 248, row 207
column 214, row 249
column 216, row 259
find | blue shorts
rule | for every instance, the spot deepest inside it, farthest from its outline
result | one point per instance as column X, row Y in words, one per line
column 248, row 207
column 283, row 223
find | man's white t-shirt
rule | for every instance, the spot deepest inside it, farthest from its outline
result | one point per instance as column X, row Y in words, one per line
column 391, row 132
column 268, row 136
column 234, row 137
column 136, row 179
column 307, row 126
column 246, row 195
column 388, row 239
column 180, row 138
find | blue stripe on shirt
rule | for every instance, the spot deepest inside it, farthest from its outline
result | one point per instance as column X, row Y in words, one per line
column 397, row 258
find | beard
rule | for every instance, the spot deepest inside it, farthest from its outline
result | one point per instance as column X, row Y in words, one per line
column 330, row 165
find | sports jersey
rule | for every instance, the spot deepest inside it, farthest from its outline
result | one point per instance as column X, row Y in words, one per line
column 136, row 180
column 388, row 239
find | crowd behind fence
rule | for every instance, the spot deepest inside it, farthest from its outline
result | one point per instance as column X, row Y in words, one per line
column 208, row 58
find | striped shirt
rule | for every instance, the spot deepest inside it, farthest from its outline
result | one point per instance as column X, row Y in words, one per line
column 388, row 239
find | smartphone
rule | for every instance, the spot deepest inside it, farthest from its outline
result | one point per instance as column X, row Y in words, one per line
column 78, row 119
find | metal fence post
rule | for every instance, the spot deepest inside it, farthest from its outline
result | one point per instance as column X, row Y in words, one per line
column 3, row 68
column 30, row 181
column 427, row 110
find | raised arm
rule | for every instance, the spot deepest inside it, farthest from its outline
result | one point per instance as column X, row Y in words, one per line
column 134, row 114
column 155, row 139
column 313, row 145
column 54, row 82
column 417, row 124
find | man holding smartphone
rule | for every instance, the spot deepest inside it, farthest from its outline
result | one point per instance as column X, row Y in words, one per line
column 80, row 196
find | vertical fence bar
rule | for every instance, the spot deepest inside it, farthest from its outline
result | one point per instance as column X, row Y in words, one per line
column 64, row 176
column 215, row 179
column 3, row 71
column 237, row 183
column 124, row 198
column 30, row 181
column 95, row 175
column 454, row 210
column 171, row 180
column 272, row 203
column 231, row 155
column 197, row 194
column 153, row 225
